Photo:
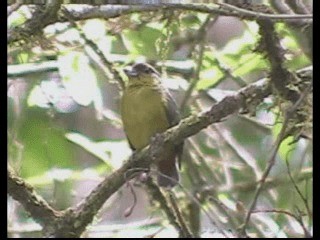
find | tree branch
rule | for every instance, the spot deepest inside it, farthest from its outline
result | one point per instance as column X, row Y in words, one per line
column 298, row 6
column 185, row 230
column 74, row 221
column 229, row 10
column 271, row 161
column 42, row 17
column 158, row 196
column 22, row 192
column 303, row 30
column 281, row 211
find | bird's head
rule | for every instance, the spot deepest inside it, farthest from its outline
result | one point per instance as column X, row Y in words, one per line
column 142, row 73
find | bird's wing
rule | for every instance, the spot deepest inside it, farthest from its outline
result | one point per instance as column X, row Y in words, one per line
column 130, row 144
column 173, row 117
column 172, row 111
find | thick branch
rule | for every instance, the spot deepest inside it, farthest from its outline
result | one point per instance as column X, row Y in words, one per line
column 109, row 11
column 83, row 214
column 73, row 222
column 42, row 17
column 270, row 44
column 22, row 192
column 49, row 16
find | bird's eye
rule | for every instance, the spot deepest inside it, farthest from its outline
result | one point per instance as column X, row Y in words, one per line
column 148, row 70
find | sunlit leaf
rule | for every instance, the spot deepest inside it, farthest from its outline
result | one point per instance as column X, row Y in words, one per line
column 286, row 149
column 142, row 41
column 18, row 17
column 111, row 152
column 78, row 77
column 209, row 77
column 37, row 98
column 94, row 29
column 44, row 146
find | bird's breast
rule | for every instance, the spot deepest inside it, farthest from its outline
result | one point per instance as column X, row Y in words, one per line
column 143, row 114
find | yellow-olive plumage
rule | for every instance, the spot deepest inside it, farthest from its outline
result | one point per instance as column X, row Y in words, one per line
column 147, row 108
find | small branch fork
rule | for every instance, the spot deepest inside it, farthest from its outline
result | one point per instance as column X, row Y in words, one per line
column 290, row 112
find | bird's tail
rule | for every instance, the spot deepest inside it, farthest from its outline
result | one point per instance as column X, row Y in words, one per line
column 169, row 176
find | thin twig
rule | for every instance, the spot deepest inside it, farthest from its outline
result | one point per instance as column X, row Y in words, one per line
column 306, row 174
column 129, row 210
column 196, row 77
column 186, row 232
column 228, row 10
column 305, row 202
column 298, row 6
column 42, row 17
column 259, row 15
column 187, row 192
column 228, row 73
column 271, row 160
column 238, row 150
column 112, row 11
column 12, row 8
column 281, row 211
column 158, row 196
column 96, row 49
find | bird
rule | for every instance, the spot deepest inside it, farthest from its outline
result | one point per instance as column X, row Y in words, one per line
column 147, row 108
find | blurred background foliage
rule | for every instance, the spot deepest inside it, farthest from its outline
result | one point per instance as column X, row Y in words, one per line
column 65, row 133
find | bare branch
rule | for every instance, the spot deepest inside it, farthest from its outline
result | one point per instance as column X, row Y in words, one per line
column 50, row 16
column 297, row 6
column 22, row 192
column 112, row 11
column 271, row 160
column 12, row 8
column 258, row 15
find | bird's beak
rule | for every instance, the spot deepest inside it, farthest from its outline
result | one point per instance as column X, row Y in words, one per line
column 130, row 72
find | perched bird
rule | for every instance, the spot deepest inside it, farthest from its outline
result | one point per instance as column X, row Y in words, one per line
column 148, row 108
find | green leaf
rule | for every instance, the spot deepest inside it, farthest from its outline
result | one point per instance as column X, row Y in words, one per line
column 17, row 18
column 286, row 148
column 44, row 146
column 37, row 98
column 250, row 63
column 142, row 41
column 110, row 152
column 209, row 77
column 190, row 21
